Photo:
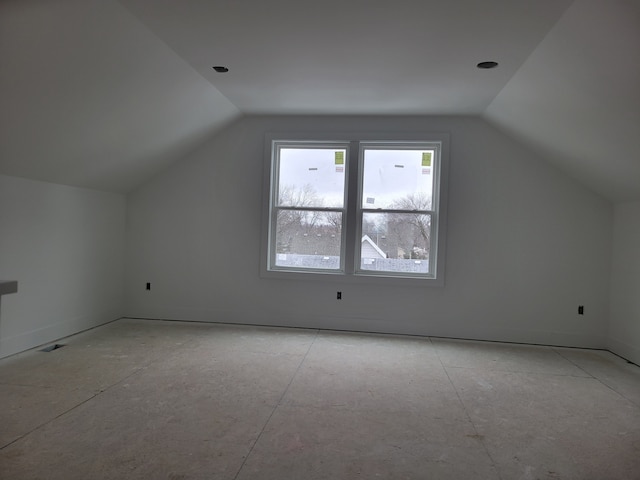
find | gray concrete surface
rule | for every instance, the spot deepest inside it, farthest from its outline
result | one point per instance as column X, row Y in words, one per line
column 140, row 399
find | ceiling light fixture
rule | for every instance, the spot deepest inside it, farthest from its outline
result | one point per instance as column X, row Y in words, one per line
column 487, row 65
column 220, row 69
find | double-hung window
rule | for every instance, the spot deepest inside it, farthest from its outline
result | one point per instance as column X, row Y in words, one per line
column 308, row 206
column 363, row 208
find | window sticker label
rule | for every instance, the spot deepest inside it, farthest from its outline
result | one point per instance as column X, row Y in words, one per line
column 426, row 162
column 339, row 161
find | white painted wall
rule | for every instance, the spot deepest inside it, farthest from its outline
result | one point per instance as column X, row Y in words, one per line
column 624, row 329
column 526, row 244
column 65, row 247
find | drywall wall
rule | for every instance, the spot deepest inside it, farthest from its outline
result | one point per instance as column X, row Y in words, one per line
column 526, row 244
column 65, row 247
column 624, row 328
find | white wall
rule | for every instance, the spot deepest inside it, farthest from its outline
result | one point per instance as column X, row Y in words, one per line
column 526, row 244
column 65, row 247
column 624, row 329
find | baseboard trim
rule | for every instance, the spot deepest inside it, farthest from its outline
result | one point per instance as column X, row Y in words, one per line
column 428, row 328
column 51, row 333
column 624, row 350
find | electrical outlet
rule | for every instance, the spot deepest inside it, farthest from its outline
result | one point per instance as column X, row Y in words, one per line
column 580, row 309
column 339, row 296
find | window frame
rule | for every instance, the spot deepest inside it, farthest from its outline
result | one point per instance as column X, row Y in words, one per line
column 433, row 212
column 350, row 271
column 274, row 208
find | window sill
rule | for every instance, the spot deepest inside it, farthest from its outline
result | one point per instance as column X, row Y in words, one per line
column 353, row 279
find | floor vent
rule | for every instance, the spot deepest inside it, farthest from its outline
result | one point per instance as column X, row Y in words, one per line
column 51, row 348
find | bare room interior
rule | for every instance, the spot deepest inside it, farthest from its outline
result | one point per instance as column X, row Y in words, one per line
column 154, row 323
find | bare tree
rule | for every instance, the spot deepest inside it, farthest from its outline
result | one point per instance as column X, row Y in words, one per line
column 413, row 201
column 412, row 231
column 334, row 222
column 305, row 196
column 292, row 222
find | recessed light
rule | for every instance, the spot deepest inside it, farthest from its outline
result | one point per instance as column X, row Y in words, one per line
column 220, row 69
column 487, row 65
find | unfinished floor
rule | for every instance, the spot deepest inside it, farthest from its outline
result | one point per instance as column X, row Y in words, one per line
column 140, row 399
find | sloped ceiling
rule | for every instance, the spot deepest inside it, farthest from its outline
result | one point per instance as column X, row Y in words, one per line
column 90, row 97
column 104, row 94
column 577, row 97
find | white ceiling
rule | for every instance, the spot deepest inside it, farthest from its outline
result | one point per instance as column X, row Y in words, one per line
column 353, row 56
column 104, row 94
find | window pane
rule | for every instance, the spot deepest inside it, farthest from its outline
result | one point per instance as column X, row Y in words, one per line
column 311, row 177
column 396, row 242
column 308, row 239
column 398, row 179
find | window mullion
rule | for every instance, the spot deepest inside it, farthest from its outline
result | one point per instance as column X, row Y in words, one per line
column 352, row 216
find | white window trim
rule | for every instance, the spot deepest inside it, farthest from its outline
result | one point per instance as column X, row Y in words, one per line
column 352, row 273
column 275, row 145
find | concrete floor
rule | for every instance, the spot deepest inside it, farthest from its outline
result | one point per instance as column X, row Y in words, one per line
column 167, row 400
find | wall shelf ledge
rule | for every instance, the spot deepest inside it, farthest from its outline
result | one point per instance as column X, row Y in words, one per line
column 8, row 286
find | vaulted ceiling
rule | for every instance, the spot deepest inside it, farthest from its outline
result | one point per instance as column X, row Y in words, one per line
column 104, row 94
